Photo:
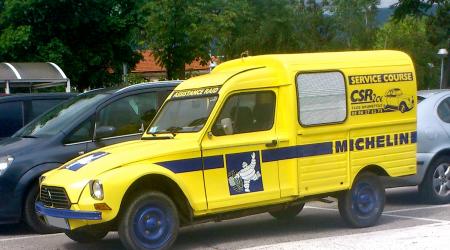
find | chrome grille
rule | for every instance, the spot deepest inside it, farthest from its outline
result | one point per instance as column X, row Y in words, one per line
column 54, row 197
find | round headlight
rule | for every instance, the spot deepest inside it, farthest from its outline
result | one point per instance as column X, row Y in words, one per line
column 97, row 190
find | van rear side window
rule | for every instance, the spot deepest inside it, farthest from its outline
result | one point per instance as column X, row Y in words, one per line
column 321, row 98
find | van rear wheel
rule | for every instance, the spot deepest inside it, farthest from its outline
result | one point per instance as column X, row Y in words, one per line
column 287, row 213
column 362, row 205
column 149, row 222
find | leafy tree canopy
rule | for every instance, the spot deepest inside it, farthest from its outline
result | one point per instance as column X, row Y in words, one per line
column 410, row 35
column 87, row 39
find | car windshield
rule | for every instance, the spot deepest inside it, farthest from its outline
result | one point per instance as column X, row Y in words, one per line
column 183, row 115
column 61, row 116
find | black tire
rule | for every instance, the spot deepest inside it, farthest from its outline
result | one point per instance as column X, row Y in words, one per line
column 287, row 213
column 86, row 235
column 150, row 221
column 435, row 187
column 35, row 221
column 403, row 107
column 362, row 205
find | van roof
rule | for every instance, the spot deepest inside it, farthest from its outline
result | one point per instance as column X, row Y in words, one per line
column 289, row 64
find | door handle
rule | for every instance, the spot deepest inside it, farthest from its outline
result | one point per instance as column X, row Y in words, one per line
column 81, row 153
column 273, row 143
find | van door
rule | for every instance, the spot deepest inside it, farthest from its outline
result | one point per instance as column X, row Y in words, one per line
column 234, row 172
column 322, row 138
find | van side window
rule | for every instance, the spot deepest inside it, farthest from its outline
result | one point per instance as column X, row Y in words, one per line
column 245, row 113
column 321, row 98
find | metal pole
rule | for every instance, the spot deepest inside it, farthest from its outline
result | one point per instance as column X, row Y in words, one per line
column 68, row 86
column 442, row 73
column 7, row 90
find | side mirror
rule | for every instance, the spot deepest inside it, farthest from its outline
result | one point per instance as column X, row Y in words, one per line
column 104, row 131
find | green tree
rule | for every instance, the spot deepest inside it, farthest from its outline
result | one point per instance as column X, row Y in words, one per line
column 276, row 26
column 179, row 32
column 355, row 23
column 88, row 39
column 410, row 35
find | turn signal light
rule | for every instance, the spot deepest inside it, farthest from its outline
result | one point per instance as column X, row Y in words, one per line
column 101, row 206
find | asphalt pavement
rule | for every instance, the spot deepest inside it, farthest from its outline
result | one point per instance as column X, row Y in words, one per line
column 406, row 223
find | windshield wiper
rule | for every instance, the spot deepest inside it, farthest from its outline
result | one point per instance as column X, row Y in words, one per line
column 157, row 138
column 174, row 130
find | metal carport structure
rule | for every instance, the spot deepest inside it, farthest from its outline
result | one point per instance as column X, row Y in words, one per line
column 33, row 75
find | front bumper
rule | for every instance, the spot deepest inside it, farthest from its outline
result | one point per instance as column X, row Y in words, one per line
column 67, row 213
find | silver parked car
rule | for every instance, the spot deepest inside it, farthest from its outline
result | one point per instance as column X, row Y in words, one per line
column 433, row 147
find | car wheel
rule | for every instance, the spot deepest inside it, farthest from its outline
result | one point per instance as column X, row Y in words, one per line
column 288, row 212
column 150, row 221
column 34, row 220
column 435, row 187
column 403, row 108
column 86, row 235
column 362, row 205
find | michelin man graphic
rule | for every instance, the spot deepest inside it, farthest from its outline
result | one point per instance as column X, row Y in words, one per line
column 240, row 180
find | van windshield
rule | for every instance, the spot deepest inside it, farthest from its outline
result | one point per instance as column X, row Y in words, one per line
column 183, row 115
column 61, row 116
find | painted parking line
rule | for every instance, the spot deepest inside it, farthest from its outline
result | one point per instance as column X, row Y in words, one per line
column 416, row 208
column 432, row 236
column 31, row 237
column 389, row 213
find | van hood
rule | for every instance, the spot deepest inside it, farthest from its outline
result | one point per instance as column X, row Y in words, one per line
column 75, row 174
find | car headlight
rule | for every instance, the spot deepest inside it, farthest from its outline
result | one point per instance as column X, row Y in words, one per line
column 96, row 190
column 5, row 162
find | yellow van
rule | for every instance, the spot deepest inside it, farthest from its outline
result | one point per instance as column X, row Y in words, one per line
column 258, row 134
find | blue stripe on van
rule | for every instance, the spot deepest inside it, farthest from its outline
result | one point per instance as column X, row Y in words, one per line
column 212, row 162
column 193, row 164
column 299, row 151
column 184, row 165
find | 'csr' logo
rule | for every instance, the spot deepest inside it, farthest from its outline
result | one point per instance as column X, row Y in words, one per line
column 365, row 95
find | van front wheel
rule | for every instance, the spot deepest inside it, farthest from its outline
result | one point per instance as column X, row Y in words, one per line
column 362, row 205
column 149, row 222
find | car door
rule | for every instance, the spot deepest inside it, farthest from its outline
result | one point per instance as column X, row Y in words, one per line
column 125, row 118
column 243, row 128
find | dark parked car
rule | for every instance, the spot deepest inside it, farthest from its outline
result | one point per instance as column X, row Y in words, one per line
column 18, row 110
column 86, row 122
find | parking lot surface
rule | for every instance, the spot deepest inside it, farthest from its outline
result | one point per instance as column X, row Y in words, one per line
column 406, row 223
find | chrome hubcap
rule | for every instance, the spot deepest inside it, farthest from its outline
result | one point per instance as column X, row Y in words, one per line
column 441, row 180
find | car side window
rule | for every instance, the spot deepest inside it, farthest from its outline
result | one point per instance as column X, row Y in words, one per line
column 11, row 118
column 82, row 133
column 245, row 113
column 443, row 110
column 129, row 115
